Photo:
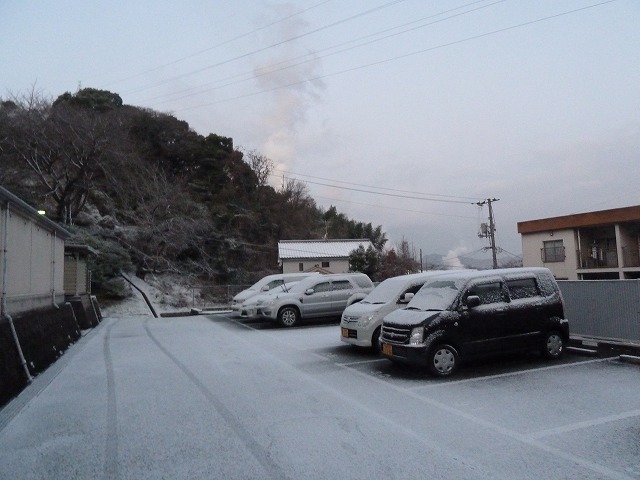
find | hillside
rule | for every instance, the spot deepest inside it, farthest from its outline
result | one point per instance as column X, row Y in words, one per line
column 152, row 195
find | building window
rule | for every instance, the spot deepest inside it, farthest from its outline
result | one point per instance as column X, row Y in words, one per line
column 301, row 267
column 553, row 251
column 325, row 264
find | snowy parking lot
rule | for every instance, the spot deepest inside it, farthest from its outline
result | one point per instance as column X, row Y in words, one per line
column 215, row 397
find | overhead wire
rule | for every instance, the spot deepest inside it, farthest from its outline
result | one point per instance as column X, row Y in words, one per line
column 268, row 47
column 397, row 57
column 287, row 173
column 316, row 55
column 339, row 200
column 221, row 44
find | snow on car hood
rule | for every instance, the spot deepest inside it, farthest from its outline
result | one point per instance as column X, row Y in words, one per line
column 410, row 317
column 360, row 309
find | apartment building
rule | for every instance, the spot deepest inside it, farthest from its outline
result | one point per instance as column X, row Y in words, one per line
column 585, row 246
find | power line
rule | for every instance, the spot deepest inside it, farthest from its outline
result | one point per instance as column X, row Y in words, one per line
column 285, row 173
column 337, row 200
column 387, row 194
column 221, row 44
column 259, row 50
column 252, row 75
column 397, row 57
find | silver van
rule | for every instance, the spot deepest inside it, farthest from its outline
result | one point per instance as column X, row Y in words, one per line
column 462, row 315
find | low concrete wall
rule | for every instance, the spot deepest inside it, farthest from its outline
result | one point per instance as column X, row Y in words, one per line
column 44, row 335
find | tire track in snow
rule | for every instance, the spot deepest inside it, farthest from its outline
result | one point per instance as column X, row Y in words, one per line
column 111, row 469
column 260, row 453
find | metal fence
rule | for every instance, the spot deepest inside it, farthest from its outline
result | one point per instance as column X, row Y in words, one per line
column 205, row 295
column 603, row 308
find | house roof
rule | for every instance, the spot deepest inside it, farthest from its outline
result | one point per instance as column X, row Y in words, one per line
column 590, row 219
column 28, row 211
column 298, row 249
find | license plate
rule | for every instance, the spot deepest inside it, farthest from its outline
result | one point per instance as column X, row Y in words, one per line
column 345, row 332
column 387, row 349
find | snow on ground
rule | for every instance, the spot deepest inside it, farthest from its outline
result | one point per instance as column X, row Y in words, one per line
column 166, row 294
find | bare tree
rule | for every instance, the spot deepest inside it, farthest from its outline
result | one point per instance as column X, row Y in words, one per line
column 296, row 194
column 261, row 165
column 63, row 146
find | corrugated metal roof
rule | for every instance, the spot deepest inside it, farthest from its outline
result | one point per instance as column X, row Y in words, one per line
column 290, row 249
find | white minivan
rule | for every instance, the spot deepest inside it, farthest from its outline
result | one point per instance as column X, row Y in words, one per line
column 360, row 323
column 264, row 285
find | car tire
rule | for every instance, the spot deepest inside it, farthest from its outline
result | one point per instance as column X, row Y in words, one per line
column 288, row 316
column 553, row 345
column 375, row 340
column 443, row 360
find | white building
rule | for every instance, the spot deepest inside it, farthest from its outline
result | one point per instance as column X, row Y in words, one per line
column 585, row 246
column 328, row 256
column 31, row 257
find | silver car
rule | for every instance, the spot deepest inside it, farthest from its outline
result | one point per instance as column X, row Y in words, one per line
column 319, row 296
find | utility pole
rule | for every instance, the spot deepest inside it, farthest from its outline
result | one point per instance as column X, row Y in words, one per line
column 491, row 230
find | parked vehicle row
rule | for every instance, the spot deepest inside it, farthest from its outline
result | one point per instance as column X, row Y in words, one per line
column 433, row 319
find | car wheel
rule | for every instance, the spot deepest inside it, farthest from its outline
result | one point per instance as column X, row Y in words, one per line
column 375, row 340
column 288, row 316
column 553, row 345
column 443, row 360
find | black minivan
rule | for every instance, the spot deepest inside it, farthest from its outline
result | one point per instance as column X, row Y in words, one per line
column 465, row 314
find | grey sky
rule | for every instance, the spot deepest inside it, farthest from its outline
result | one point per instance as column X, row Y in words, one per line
column 533, row 103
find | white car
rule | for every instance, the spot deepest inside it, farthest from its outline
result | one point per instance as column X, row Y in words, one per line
column 321, row 296
column 249, row 308
column 264, row 285
column 360, row 323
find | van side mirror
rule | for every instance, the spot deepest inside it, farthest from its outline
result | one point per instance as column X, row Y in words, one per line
column 265, row 288
column 473, row 301
column 406, row 298
column 309, row 291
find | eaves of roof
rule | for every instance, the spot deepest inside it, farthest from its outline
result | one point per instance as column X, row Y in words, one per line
column 31, row 213
column 590, row 219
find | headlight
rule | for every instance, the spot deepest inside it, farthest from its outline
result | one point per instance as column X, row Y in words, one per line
column 417, row 336
column 366, row 320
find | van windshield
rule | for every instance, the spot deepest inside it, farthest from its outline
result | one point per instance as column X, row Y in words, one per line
column 435, row 295
column 385, row 292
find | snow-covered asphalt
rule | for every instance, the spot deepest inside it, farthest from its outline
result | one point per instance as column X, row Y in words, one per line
column 212, row 397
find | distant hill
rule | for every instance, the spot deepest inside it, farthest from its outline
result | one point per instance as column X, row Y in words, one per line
column 438, row 261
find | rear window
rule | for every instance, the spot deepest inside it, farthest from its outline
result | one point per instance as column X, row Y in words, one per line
column 523, row 288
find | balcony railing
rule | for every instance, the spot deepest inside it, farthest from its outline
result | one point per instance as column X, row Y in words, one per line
column 598, row 258
column 630, row 256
